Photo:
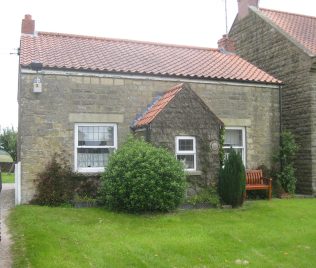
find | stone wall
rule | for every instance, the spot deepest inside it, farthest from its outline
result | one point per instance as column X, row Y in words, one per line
column 258, row 42
column 187, row 115
column 46, row 120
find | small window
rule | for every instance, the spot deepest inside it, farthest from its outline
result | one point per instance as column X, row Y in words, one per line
column 235, row 138
column 186, row 151
column 94, row 143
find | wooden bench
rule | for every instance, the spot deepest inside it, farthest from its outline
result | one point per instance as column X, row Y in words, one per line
column 256, row 181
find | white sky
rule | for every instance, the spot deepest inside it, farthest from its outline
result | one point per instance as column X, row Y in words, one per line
column 188, row 22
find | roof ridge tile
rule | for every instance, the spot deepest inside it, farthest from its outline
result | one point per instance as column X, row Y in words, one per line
column 286, row 12
column 125, row 40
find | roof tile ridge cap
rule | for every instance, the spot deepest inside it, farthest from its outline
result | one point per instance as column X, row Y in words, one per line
column 175, row 87
column 286, row 12
column 125, row 40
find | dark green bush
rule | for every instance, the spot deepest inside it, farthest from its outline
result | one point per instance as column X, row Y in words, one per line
column 58, row 184
column 232, row 180
column 142, row 178
column 54, row 184
column 287, row 178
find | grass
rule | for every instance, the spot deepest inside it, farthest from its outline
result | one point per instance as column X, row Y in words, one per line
column 278, row 233
column 7, row 177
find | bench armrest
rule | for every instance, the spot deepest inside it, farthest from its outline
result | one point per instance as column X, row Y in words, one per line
column 268, row 181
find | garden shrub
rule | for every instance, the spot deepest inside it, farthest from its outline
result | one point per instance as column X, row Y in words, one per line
column 54, row 184
column 232, row 180
column 287, row 178
column 58, row 184
column 142, row 178
column 285, row 156
column 87, row 186
column 206, row 196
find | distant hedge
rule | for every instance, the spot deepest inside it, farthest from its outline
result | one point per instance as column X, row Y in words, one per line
column 142, row 178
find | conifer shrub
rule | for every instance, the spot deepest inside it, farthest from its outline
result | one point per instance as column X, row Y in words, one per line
column 142, row 178
column 232, row 180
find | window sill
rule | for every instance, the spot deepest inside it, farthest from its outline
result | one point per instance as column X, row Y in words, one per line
column 90, row 171
column 193, row 172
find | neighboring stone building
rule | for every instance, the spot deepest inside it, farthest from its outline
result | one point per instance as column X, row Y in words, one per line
column 284, row 45
column 180, row 121
column 80, row 95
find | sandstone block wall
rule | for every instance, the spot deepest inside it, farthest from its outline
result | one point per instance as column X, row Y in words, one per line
column 46, row 120
column 186, row 115
column 260, row 43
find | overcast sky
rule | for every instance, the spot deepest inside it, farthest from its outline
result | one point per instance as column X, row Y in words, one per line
column 188, row 22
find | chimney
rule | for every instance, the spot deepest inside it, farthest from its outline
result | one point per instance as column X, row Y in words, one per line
column 28, row 25
column 226, row 44
column 243, row 7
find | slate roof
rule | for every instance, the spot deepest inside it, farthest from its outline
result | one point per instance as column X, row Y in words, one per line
column 299, row 27
column 158, row 106
column 73, row 52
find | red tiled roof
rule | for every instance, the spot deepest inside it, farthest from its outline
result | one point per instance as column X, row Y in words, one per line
column 299, row 27
column 158, row 106
column 64, row 51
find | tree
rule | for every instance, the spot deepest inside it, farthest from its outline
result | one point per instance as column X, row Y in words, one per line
column 8, row 141
column 232, row 180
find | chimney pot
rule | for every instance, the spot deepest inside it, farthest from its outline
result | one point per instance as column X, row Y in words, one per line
column 226, row 44
column 243, row 5
column 28, row 25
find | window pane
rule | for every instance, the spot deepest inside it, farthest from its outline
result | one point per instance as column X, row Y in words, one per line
column 188, row 161
column 233, row 137
column 237, row 150
column 93, row 157
column 185, row 144
column 95, row 136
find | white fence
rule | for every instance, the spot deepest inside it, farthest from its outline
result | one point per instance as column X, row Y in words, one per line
column 18, row 183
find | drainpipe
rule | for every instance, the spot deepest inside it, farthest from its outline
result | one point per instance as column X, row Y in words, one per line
column 280, row 107
column 281, row 122
column 147, row 135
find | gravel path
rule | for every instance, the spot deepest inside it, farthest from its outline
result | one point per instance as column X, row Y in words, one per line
column 6, row 203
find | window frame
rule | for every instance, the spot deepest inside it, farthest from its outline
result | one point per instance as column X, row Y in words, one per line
column 193, row 152
column 76, row 146
column 243, row 131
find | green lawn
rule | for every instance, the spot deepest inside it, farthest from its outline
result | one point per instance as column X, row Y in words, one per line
column 7, row 177
column 277, row 233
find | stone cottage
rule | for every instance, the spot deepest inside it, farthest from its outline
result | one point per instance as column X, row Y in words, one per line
column 284, row 45
column 81, row 95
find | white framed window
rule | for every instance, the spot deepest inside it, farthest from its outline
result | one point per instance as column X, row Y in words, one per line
column 235, row 137
column 186, row 151
column 94, row 143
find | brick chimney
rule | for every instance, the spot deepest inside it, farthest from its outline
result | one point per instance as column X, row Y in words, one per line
column 226, row 44
column 243, row 7
column 28, row 25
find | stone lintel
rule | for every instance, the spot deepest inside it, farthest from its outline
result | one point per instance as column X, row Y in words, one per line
column 235, row 122
column 95, row 118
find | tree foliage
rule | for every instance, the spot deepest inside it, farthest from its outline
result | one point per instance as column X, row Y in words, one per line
column 8, row 141
column 286, row 155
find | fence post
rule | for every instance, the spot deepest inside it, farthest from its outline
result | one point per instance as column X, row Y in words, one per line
column 17, row 172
